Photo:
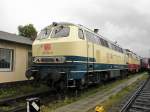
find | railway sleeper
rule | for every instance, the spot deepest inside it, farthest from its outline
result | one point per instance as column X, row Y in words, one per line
column 134, row 110
column 146, row 91
column 145, row 95
column 143, row 100
column 142, row 104
column 141, row 108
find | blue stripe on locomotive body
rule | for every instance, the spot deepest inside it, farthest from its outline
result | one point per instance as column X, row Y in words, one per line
column 81, row 69
column 79, row 58
column 76, row 67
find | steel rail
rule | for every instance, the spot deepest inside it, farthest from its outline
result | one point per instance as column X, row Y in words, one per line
column 134, row 96
column 20, row 97
column 10, row 100
column 17, row 109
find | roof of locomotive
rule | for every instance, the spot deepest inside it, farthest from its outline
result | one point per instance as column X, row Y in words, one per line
column 131, row 52
column 60, row 23
column 83, row 27
column 100, row 36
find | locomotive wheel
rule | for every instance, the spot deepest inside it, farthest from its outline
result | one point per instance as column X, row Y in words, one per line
column 36, row 80
column 61, row 88
column 60, row 85
column 50, row 83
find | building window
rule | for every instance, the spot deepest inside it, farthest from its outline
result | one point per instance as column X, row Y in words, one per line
column 6, row 59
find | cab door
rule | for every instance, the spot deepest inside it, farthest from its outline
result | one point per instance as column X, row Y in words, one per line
column 89, row 48
column 90, row 51
column 90, row 56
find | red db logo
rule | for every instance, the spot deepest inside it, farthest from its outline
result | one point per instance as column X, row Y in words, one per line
column 47, row 47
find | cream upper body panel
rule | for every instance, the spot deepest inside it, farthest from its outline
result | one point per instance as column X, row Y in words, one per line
column 107, row 55
column 133, row 58
column 64, row 46
column 72, row 45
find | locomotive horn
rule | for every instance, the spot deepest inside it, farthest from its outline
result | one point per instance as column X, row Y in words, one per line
column 96, row 30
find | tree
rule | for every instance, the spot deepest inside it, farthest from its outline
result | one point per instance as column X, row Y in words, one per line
column 27, row 31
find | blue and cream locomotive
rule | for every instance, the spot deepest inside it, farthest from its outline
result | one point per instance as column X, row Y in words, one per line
column 69, row 55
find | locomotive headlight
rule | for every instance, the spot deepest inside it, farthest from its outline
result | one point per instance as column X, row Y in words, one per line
column 59, row 59
column 48, row 59
column 36, row 59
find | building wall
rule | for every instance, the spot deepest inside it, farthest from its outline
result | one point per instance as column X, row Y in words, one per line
column 20, row 62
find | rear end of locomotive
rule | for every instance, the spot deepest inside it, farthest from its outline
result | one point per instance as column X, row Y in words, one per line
column 55, row 50
column 134, row 63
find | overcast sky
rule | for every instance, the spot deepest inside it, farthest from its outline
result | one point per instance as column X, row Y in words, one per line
column 124, row 21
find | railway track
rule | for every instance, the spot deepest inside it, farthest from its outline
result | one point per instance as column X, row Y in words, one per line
column 140, row 100
column 18, row 103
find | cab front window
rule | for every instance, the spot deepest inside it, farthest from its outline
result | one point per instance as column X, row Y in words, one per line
column 45, row 33
column 60, row 31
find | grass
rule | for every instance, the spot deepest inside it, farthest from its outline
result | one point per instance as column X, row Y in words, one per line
column 54, row 105
column 116, row 99
column 19, row 90
column 9, row 107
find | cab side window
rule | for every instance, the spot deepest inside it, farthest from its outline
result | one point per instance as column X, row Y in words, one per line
column 80, row 34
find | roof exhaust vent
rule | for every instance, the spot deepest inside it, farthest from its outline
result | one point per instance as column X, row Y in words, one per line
column 96, row 30
column 54, row 23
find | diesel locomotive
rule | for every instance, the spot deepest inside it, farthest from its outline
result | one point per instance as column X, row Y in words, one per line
column 67, row 55
column 134, row 63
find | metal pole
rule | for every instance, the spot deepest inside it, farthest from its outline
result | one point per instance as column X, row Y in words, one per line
column 33, row 105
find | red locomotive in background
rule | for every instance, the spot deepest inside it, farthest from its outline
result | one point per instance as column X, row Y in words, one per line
column 145, row 64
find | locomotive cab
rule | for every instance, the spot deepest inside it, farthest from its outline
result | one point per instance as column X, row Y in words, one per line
column 58, row 41
column 54, row 50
